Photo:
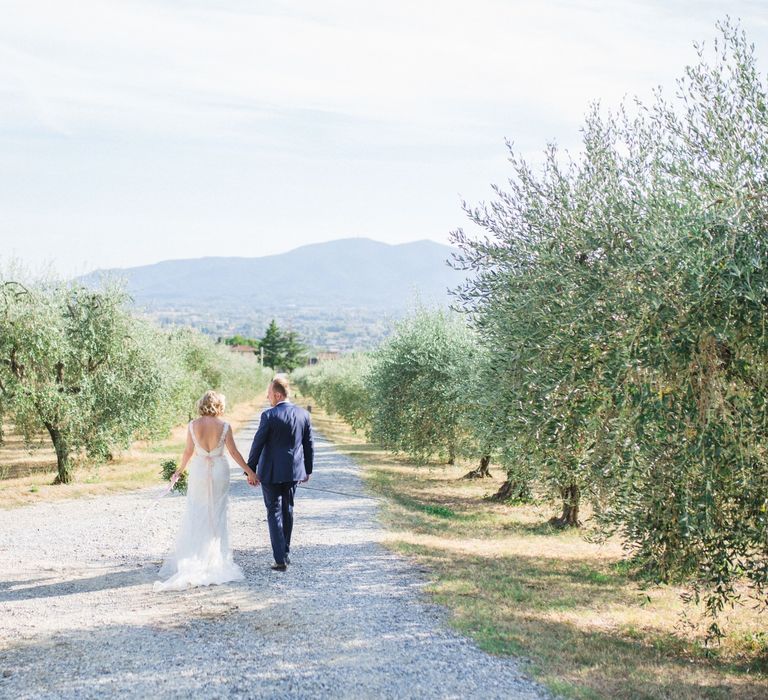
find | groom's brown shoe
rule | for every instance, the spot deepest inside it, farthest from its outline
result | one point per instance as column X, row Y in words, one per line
column 279, row 567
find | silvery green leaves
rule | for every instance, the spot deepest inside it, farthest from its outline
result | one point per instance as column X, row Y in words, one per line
column 73, row 364
column 339, row 386
column 78, row 365
column 622, row 296
column 420, row 386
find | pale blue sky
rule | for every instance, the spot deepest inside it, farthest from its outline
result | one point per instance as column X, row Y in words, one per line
column 133, row 131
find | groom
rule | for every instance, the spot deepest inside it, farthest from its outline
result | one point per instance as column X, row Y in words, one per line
column 281, row 455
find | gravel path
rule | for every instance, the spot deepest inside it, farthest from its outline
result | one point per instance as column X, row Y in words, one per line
column 78, row 618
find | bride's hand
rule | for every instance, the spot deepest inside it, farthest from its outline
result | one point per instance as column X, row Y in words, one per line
column 253, row 478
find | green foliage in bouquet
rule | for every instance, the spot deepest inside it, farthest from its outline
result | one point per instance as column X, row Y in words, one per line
column 169, row 467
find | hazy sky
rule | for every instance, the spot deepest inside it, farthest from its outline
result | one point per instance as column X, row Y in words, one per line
column 133, row 131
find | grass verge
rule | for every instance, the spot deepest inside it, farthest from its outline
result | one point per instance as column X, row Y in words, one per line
column 135, row 468
column 567, row 606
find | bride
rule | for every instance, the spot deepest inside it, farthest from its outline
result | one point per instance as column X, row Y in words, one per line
column 202, row 555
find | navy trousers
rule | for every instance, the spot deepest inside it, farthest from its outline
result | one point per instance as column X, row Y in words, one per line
column 278, row 498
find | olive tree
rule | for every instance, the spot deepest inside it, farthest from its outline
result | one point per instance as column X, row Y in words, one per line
column 78, row 364
column 538, row 296
column 72, row 361
column 417, row 382
column 340, row 387
column 623, row 295
column 690, row 489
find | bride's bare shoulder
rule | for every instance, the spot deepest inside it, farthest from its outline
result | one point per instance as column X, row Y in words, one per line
column 208, row 420
column 205, row 425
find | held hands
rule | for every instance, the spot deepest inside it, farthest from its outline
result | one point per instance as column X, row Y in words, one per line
column 253, row 478
column 305, row 479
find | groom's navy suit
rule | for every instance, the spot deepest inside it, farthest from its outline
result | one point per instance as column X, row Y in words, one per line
column 282, row 454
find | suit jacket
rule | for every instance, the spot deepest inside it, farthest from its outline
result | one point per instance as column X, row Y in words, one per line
column 282, row 449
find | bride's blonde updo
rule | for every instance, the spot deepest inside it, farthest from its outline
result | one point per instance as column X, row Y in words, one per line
column 211, row 403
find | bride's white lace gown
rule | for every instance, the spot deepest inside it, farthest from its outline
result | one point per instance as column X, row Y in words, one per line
column 202, row 555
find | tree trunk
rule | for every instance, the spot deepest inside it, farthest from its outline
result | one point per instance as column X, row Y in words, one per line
column 482, row 470
column 63, row 461
column 570, row 516
column 511, row 490
column 452, row 454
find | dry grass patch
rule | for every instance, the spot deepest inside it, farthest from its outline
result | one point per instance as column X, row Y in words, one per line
column 517, row 586
column 27, row 477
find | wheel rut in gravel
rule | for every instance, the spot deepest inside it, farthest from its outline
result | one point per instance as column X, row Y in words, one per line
column 78, row 618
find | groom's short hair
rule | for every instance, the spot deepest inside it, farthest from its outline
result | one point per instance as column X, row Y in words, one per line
column 281, row 386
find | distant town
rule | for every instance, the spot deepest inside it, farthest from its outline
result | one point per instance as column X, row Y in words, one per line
column 321, row 330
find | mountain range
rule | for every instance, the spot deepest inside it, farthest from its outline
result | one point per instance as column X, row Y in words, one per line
column 341, row 295
column 353, row 273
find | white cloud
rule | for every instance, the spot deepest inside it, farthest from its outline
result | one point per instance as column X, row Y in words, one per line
column 149, row 65
column 124, row 117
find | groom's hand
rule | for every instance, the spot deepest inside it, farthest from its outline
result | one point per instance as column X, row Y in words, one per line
column 305, row 479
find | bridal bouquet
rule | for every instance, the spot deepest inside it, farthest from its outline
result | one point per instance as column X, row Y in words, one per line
column 169, row 468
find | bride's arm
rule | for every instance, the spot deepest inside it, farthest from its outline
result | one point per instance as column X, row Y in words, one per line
column 230, row 443
column 189, row 450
